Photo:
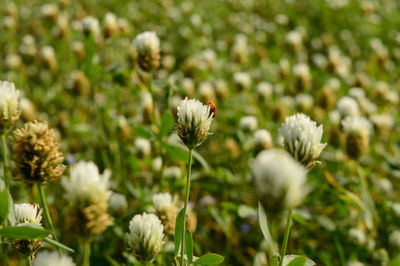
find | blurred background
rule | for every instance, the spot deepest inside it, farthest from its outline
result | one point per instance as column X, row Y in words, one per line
column 258, row 62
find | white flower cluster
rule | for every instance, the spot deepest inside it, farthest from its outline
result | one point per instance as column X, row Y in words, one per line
column 47, row 258
column 194, row 121
column 280, row 181
column 162, row 201
column 27, row 213
column 248, row 123
column 147, row 41
column 91, row 25
column 86, row 184
column 145, row 236
column 9, row 111
column 302, row 138
column 148, row 48
column 357, row 125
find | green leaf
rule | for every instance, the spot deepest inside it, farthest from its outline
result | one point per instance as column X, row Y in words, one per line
column 178, row 230
column 262, row 219
column 175, row 152
column 297, row 260
column 3, row 205
column 57, row 244
column 189, row 246
column 24, row 232
column 167, row 123
column 142, row 131
column 209, row 259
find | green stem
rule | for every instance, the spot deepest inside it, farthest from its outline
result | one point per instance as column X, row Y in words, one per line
column 29, row 261
column 286, row 237
column 187, row 191
column 5, row 161
column 47, row 213
column 86, row 254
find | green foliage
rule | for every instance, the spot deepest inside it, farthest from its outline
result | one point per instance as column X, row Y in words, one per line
column 209, row 259
column 28, row 231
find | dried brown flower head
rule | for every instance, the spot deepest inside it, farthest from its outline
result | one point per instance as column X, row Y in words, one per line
column 36, row 154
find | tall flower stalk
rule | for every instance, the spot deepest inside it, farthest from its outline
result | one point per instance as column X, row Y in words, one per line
column 187, row 192
column 5, row 162
column 42, row 195
column 286, row 237
column 194, row 121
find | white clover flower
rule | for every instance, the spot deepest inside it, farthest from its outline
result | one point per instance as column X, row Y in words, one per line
column 91, row 25
column 264, row 90
column 173, row 172
column 143, row 147
column 302, row 138
column 394, row 239
column 27, row 213
column 117, row 203
column 248, row 123
column 9, row 111
column 357, row 130
column 357, row 236
column 280, row 181
column 304, row 101
column 110, row 24
column 194, row 121
column 86, row 184
column 242, row 80
column 359, row 125
column 157, row 164
column 348, row 106
column 51, row 258
column 262, row 139
column 162, row 201
column 383, row 122
column 148, row 49
column 295, row 39
column 302, row 70
column 49, row 10
column 145, row 237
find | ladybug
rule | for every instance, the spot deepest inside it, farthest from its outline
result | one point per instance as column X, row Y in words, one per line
column 36, row 205
column 213, row 109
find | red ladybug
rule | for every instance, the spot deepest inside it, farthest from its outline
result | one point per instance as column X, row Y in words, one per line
column 213, row 109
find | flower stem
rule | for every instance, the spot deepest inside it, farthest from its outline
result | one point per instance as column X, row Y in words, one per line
column 5, row 161
column 29, row 261
column 47, row 213
column 86, row 254
column 286, row 237
column 187, row 191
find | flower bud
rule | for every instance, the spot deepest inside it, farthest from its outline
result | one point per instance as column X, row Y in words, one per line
column 280, row 181
column 49, row 258
column 145, row 237
column 262, row 140
column 148, row 50
column 302, row 138
column 27, row 214
column 166, row 210
column 9, row 111
column 194, row 121
column 248, row 123
column 357, row 130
